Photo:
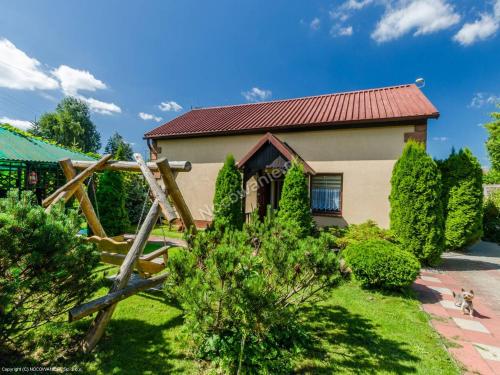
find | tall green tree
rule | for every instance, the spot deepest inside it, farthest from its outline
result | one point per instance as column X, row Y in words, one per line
column 493, row 148
column 294, row 202
column 462, row 178
column 70, row 125
column 228, row 205
column 114, row 142
column 417, row 216
column 111, row 196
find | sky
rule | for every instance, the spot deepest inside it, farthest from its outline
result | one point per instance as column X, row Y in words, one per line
column 138, row 64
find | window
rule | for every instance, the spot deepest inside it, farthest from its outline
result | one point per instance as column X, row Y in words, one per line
column 326, row 194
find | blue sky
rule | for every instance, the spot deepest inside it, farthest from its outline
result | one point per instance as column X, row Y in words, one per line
column 128, row 57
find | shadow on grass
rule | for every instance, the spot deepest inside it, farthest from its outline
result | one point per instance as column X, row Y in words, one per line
column 134, row 347
column 348, row 343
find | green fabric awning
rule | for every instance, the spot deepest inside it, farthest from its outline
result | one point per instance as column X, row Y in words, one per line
column 16, row 146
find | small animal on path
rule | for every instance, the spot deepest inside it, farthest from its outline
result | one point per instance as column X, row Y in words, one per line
column 464, row 301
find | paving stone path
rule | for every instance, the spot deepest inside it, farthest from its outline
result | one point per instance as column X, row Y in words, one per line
column 473, row 341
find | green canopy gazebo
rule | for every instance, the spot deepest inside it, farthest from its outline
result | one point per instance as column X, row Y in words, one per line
column 30, row 163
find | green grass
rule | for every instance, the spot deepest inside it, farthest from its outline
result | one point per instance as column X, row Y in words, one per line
column 358, row 331
column 354, row 331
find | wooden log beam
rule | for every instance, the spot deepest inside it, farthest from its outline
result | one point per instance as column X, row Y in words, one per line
column 175, row 194
column 91, row 307
column 110, row 244
column 158, row 193
column 143, row 266
column 155, row 254
column 70, row 187
column 130, row 166
column 98, row 326
column 83, row 198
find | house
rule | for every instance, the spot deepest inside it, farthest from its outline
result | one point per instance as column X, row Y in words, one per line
column 347, row 142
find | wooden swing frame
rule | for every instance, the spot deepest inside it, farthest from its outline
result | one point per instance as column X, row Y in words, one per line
column 128, row 254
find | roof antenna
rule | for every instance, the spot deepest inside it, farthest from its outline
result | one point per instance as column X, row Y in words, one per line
column 420, row 82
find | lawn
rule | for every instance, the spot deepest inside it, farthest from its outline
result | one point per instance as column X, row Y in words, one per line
column 354, row 331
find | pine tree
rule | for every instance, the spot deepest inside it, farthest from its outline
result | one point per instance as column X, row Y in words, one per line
column 462, row 198
column 111, row 197
column 417, row 217
column 228, row 209
column 294, row 203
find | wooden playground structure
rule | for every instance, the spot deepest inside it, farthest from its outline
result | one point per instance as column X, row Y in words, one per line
column 127, row 253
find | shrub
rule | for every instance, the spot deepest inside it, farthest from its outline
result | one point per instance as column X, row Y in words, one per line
column 491, row 217
column 381, row 264
column 416, row 209
column 110, row 198
column 294, row 202
column 136, row 195
column 463, row 198
column 241, row 294
column 44, row 267
column 228, row 208
column 355, row 233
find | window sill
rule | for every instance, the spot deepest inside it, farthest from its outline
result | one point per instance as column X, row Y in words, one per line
column 327, row 214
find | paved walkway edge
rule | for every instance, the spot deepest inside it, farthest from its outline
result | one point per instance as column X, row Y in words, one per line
column 473, row 341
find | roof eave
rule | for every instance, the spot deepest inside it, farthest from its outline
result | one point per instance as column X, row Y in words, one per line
column 317, row 126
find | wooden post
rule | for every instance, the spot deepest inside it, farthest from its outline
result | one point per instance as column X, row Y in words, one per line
column 156, row 189
column 173, row 191
column 104, row 316
column 91, row 307
column 130, row 166
column 84, row 200
column 70, row 187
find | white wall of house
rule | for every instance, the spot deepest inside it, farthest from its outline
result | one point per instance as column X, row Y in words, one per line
column 365, row 157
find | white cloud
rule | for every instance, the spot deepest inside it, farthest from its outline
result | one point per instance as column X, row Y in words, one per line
column 170, row 106
column 73, row 80
column 481, row 29
column 100, row 107
column 21, row 124
column 481, row 99
column 338, row 30
column 356, row 4
column 418, row 16
column 21, row 72
column 315, row 24
column 148, row 116
column 256, row 94
column 440, row 139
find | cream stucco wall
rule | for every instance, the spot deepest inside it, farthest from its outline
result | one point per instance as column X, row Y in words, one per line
column 364, row 156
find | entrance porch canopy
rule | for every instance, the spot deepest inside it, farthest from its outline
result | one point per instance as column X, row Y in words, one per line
column 270, row 153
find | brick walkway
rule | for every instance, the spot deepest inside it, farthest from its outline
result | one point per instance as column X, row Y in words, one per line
column 473, row 341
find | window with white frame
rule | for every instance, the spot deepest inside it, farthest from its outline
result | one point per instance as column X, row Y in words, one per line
column 326, row 194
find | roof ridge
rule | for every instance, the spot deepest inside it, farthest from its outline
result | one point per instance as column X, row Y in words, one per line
column 303, row 97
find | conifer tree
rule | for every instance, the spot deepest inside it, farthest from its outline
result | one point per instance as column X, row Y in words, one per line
column 294, row 204
column 228, row 209
column 416, row 205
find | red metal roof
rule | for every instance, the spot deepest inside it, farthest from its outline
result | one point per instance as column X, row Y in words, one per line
column 396, row 103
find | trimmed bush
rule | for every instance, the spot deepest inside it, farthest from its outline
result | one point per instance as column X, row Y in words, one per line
column 355, row 233
column 416, row 209
column 44, row 267
column 381, row 264
column 294, row 203
column 228, row 208
column 110, row 198
column 463, row 199
column 491, row 217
